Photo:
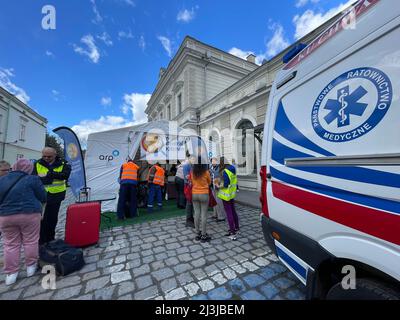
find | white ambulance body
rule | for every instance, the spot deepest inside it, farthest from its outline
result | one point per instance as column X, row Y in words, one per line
column 331, row 158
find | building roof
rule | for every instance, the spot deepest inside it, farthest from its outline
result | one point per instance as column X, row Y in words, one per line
column 174, row 60
column 22, row 104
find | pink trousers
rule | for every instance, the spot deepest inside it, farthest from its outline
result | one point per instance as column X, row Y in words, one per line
column 20, row 230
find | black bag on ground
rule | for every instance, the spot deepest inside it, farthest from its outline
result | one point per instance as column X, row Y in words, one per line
column 142, row 196
column 65, row 258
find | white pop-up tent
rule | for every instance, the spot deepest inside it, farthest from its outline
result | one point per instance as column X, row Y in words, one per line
column 154, row 141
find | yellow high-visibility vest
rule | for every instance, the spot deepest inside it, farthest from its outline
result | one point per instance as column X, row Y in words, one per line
column 58, row 185
column 228, row 193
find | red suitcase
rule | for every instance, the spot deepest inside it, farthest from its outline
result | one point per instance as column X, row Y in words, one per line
column 82, row 226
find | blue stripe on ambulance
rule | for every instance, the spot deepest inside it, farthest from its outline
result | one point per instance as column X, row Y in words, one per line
column 296, row 265
column 376, row 203
column 280, row 152
column 287, row 130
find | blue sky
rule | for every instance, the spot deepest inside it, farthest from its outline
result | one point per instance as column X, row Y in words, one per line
column 98, row 68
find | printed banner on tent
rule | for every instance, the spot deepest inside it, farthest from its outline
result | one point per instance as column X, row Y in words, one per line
column 73, row 154
column 161, row 147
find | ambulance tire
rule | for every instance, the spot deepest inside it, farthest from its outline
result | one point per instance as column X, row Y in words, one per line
column 366, row 289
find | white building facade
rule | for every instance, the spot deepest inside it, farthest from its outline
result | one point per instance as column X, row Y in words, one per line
column 22, row 130
column 223, row 98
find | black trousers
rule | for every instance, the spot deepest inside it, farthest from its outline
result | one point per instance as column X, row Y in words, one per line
column 127, row 193
column 180, row 196
column 49, row 221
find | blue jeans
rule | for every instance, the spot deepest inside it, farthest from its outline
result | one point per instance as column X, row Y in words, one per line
column 127, row 193
column 154, row 192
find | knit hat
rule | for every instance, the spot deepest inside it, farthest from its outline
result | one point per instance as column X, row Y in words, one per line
column 24, row 165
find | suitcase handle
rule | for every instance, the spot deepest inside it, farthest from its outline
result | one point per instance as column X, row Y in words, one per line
column 86, row 193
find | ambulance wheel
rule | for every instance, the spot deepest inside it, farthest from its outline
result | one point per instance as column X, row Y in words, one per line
column 366, row 289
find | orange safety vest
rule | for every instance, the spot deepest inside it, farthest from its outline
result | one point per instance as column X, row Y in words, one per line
column 158, row 176
column 129, row 171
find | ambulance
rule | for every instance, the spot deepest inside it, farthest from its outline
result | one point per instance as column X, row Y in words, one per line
column 330, row 168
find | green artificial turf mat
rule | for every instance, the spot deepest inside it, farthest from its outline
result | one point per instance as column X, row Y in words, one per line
column 170, row 210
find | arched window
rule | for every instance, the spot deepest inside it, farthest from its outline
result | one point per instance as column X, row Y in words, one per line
column 215, row 144
column 246, row 148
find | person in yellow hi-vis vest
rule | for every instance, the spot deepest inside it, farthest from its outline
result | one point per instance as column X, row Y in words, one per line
column 128, row 180
column 54, row 174
column 227, row 193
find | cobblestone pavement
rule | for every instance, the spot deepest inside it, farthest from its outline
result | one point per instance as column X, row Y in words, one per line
column 160, row 260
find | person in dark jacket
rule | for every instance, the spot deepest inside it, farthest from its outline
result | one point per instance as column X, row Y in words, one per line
column 128, row 180
column 54, row 174
column 21, row 199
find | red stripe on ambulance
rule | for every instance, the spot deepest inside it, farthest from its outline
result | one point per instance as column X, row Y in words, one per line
column 374, row 222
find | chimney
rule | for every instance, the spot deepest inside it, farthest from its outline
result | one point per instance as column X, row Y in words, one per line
column 162, row 71
column 251, row 58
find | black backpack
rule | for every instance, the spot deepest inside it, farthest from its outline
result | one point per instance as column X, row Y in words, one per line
column 65, row 258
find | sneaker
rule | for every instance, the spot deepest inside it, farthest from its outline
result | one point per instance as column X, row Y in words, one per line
column 228, row 233
column 31, row 270
column 233, row 237
column 198, row 237
column 11, row 278
column 205, row 238
column 220, row 220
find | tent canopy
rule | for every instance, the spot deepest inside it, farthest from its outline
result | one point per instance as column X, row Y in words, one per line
column 155, row 141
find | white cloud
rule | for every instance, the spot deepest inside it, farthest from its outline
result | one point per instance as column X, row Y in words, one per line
column 124, row 34
column 186, row 16
column 244, row 54
column 6, row 83
column 129, row 3
column 49, row 54
column 278, row 41
column 142, row 42
column 92, row 52
column 98, row 18
column 311, row 20
column 167, row 44
column 240, row 53
column 105, row 37
column 302, row 3
column 137, row 104
column 104, row 123
column 106, row 101
column 134, row 103
column 276, row 44
column 56, row 95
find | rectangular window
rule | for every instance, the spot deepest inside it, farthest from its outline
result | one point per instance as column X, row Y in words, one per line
column 1, row 123
column 169, row 112
column 20, row 156
column 22, row 131
column 180, row 103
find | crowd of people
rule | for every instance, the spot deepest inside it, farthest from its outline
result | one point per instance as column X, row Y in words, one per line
column 30, row 197
column 198, row 187
column 31, row 194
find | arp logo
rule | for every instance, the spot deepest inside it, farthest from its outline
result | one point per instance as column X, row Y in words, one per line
column 109, row 157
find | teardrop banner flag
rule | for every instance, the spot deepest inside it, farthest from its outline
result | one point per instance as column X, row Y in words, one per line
column 73, row 154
